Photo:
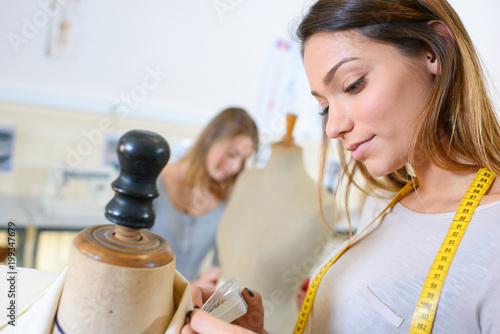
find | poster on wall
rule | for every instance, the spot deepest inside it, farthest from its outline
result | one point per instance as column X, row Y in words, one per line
column 65, row 29
column 285, row 89
column 6, row 148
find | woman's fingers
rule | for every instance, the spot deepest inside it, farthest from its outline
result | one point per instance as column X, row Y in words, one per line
column 254, row 318
column 187, row 330
column 252, row 297
column 200, row 295
column 203, row 323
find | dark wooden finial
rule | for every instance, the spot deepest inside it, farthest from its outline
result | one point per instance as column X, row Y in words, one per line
column 142, row 156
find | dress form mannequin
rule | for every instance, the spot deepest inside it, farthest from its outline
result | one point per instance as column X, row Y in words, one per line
column 270, row 235
column 121, row 277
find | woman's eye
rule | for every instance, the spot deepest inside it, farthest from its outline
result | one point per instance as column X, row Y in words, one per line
column 324, row 111
column 355, row 87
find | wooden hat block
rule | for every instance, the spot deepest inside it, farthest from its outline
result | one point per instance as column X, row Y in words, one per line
column 120, row 276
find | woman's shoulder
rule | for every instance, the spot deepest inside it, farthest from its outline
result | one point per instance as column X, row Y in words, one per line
column 171, row 180
column 173, row 171
column 172, row 176
column 493, row 194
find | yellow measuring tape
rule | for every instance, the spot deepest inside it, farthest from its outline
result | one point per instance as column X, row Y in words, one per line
column 426, row 307
column 423, row 316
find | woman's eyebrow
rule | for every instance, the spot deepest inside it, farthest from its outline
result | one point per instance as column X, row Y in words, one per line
column 329, row 76
column 331, row 73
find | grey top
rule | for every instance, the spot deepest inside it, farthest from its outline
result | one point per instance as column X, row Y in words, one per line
column 191, row 237
column 374, row 286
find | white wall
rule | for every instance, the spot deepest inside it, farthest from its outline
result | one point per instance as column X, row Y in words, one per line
column 212, row 59
column 481, row 20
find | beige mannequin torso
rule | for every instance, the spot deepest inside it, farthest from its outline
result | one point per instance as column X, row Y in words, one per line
column 270, row 236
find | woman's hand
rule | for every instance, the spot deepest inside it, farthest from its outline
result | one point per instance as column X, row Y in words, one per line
column 254, row 318
column 203, row 323
column 301, row 294
column 208, row 278
column 200, row 295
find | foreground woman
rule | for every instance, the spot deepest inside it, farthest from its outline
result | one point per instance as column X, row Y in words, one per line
column 403, row 90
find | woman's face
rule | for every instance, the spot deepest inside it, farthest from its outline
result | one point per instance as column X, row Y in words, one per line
column 225, row 158
column 373, row 95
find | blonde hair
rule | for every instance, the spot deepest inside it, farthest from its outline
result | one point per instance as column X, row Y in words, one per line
column 228, row 124
column 458, row 122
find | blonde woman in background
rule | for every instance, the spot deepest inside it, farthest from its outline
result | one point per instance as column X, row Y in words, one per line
column 401, row 86
column 194, row 191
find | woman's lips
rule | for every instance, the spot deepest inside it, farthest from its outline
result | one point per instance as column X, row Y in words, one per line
column 224, row 174
column 359, row 149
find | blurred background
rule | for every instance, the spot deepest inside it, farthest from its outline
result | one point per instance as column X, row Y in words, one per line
column 76, row 74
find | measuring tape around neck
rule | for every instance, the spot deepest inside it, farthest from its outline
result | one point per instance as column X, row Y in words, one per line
column 426, row 307
column 425, row 311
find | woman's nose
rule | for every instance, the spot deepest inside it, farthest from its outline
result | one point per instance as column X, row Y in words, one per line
column 339, row 122
column 234, row 166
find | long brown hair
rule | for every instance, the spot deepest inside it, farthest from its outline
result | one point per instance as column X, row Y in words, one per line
column 459, row 109
column 227, row 125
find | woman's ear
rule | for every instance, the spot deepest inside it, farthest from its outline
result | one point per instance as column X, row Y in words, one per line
column 443, row 30
column 447, row 37
column 431, row 63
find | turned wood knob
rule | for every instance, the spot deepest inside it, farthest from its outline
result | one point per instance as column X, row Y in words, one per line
column 142, row 156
